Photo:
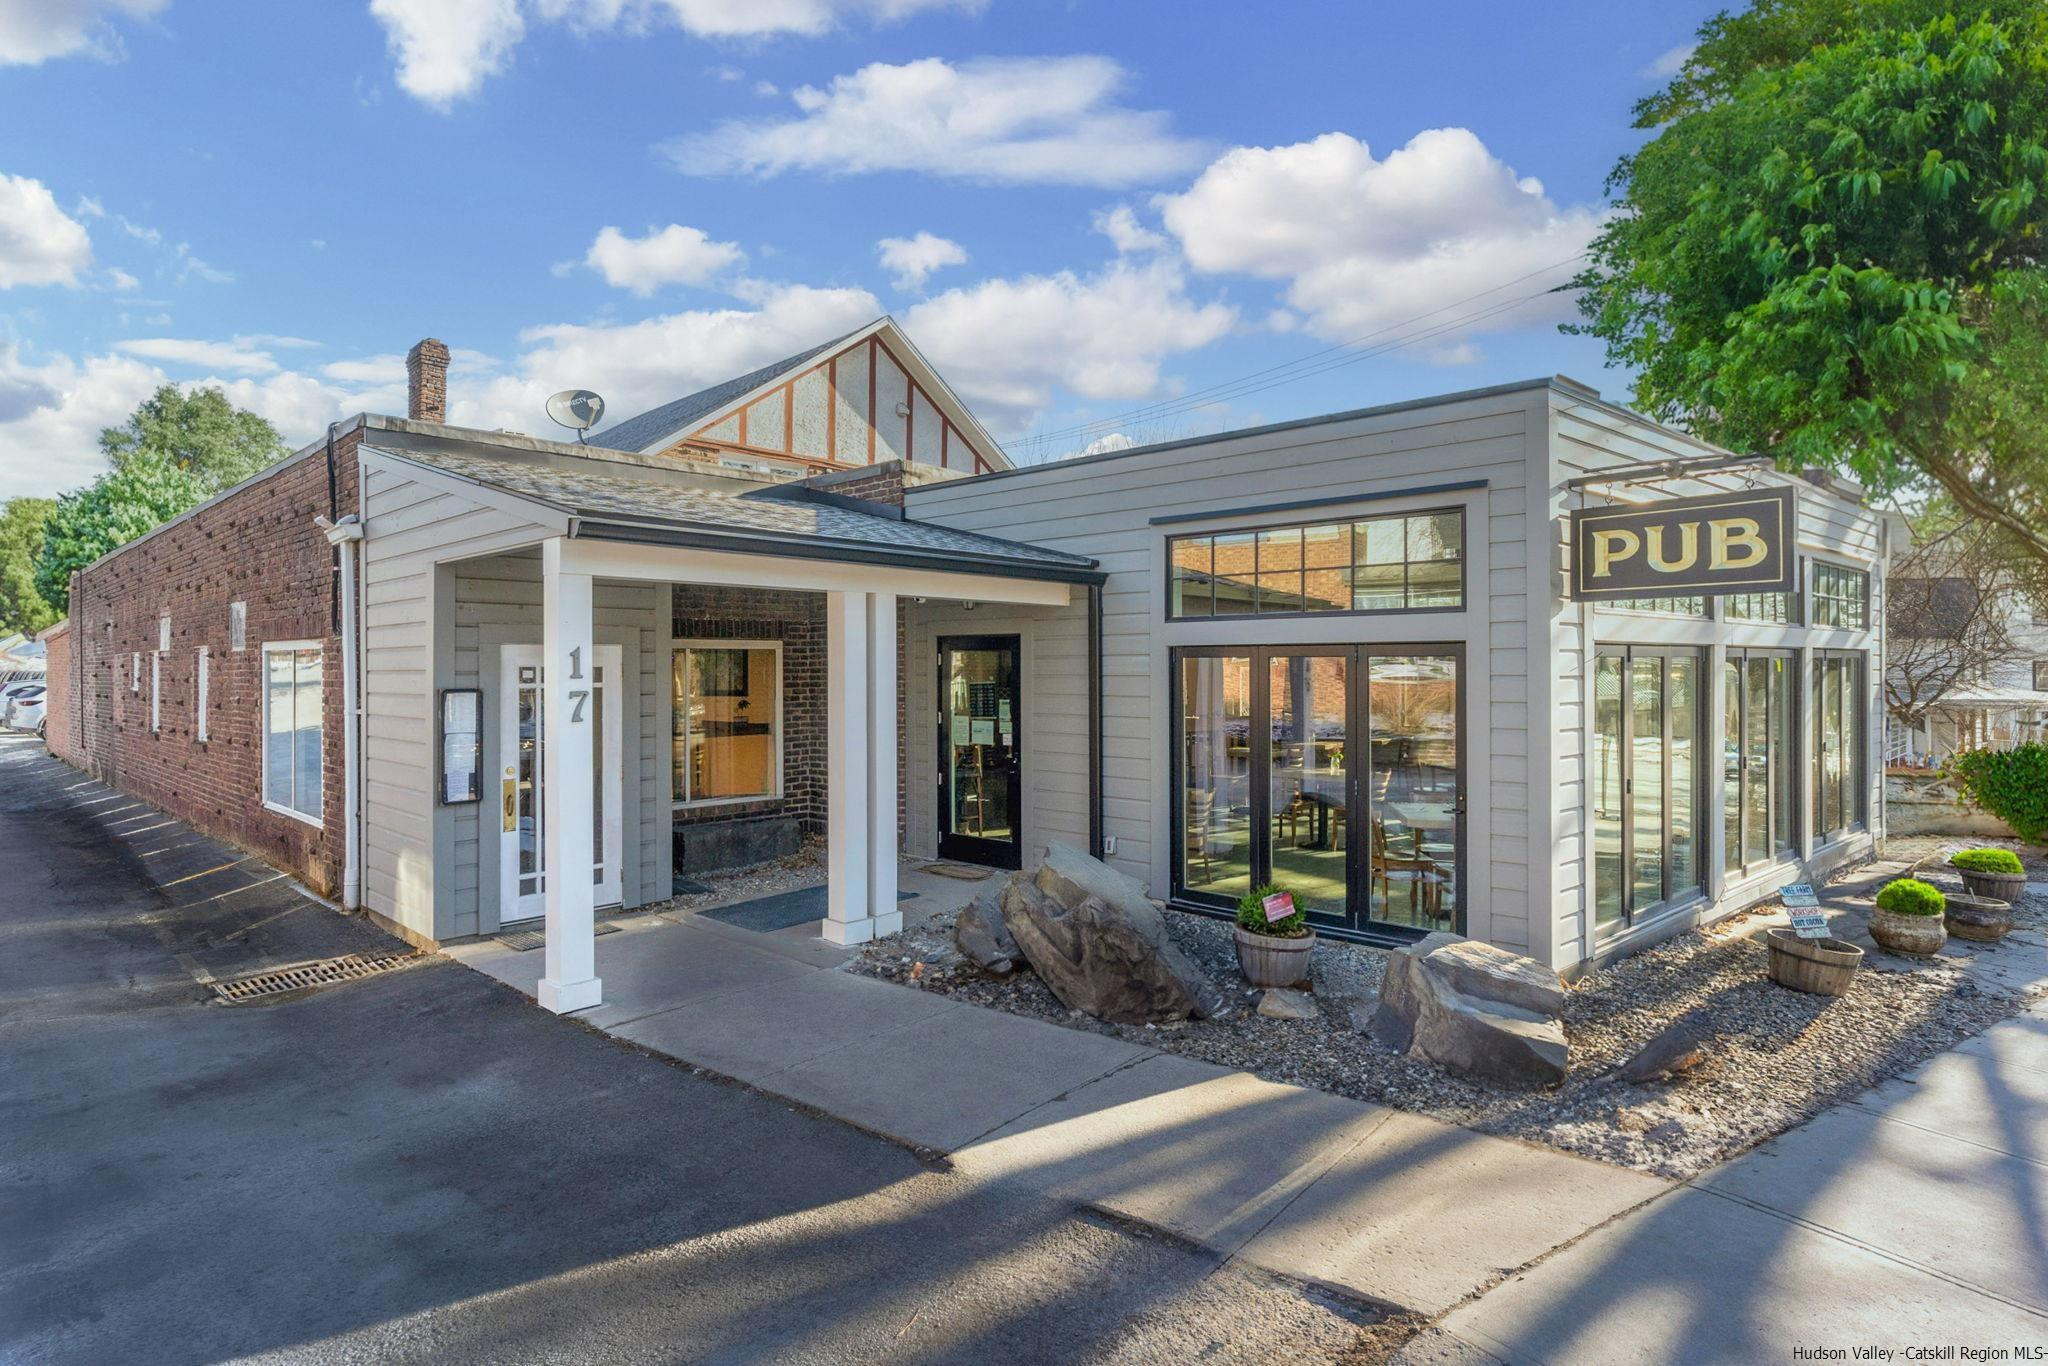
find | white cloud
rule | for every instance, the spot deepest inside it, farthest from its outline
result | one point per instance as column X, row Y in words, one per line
column 235, row 356
column 1015, row 121
column 1103, row 445
column 119, row 279
column 911, row 260
column 446, row 48
column 34, row 31
column 1670, row 62
column 51, row 415
column 675, row 255
column 1008, row 344
column 190, row 267
column 1123, row 229
column 385, row 369
column 40, row 244
column 1367, row 243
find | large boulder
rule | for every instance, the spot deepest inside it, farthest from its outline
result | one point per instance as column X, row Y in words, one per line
column 982, row 936
column 1100, row 958
column 1070, row 877
column 1424, row 1013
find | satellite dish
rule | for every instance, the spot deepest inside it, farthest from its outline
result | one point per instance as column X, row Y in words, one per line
column 576, row 409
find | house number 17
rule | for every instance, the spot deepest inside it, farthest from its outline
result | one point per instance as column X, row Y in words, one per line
column 576, row 697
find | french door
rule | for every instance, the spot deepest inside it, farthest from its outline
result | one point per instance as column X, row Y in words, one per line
column 1758, row 758
column 522, row 751
column 980, row 776
column 1646, row 774
column 1333, row 771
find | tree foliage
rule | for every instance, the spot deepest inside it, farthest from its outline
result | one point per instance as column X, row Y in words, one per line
column 1830, row 251
column 22, row 606
column 148, row 488
column 200, row 432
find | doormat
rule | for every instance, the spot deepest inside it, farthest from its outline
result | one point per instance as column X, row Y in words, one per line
column 766, row 914
column 964, row 872
column 525, row 940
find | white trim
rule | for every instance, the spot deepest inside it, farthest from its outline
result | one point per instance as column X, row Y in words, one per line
column 135, row 672
column 267, row 648
column 156, row 692
column 714, row 568
column 200, row 678
column 703, row 803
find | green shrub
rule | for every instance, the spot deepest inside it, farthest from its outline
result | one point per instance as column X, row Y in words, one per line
column 1987, row 861
column 1909, row 896
column 2012, row 784
column 1251, row 914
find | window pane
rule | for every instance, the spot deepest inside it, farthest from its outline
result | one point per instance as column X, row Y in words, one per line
column 1783, row 757
column 1280, row 592
column 1435, row 536
column 679, row 726
column 1412, row 791
column 306, row 711
column 1434, row 584
column 1646, row 774
column 277, row 727
column 729, row 706
column 1235, row 569
column 1380, row 542
column 1609, row 891
column 1682, row 684
column 1308, row 696
column 1328, row 590
column 1280, row 549
column 1378, row 587
column 1215, row 767
column 1731, row 766
column 1191, row 570
column 1327, row 546
column 1756, row 759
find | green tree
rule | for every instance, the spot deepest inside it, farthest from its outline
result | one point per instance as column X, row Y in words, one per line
column 22, row 607
column 147, row 489
column 199, row 431
column 1831, row 249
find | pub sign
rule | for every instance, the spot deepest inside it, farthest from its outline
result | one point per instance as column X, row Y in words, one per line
column 1685, row 547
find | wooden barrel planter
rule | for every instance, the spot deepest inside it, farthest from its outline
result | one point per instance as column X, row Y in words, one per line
column 1916, row 936
column 1824, row 967
column 1271, row 960
column 2006, row 887
column 1980, row 918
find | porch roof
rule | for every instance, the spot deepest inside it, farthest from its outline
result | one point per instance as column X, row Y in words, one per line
column 794, row 521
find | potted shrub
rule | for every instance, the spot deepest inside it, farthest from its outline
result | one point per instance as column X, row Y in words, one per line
column 1272, row 953
column 1907, row 918
column 1994, row 873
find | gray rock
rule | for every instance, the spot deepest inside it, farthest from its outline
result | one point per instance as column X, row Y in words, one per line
column 1285, row 1003
column 1681, row 1046
column 981, row 934
column 1493, row 974
column 1070, row 877
column 1096, row 960
column 1421, row 1014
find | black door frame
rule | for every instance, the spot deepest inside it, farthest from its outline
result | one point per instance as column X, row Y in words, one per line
column 1358, row 922
column 973, row 848
column 1703, row 726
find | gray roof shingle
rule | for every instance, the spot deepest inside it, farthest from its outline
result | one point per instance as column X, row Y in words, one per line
column 657, row 425
column 600, row 495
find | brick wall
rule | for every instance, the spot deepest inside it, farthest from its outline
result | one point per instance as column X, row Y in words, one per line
column 883, row 484
column 257, row 546
column 60, row 729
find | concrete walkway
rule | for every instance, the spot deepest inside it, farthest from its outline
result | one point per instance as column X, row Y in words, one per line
column 1916, row 1215
column 1376, row 1203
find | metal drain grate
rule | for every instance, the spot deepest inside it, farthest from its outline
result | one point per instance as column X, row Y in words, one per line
column 525, row 940
column 323, row 973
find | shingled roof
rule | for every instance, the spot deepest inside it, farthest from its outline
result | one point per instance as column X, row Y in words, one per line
column 658, row 426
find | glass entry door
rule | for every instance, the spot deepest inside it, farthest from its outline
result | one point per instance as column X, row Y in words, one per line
column 1334, row 772
column 522, row 751
column 1646, row 782
column 980, row 778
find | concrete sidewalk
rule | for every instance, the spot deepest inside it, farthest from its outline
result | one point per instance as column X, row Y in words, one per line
column 1915, row 1215
column 1376, row 1203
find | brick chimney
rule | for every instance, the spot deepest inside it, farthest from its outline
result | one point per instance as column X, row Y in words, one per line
column 426, row 381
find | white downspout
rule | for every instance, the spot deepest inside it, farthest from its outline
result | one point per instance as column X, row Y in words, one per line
column 348, row 534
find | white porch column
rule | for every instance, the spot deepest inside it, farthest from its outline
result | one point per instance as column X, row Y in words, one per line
column 882, row 740
column 569, row 846
column 849, row 914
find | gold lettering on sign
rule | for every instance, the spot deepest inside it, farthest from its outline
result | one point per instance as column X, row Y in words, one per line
column 1611, row 548
column 1689, row 548
column 1729, row 534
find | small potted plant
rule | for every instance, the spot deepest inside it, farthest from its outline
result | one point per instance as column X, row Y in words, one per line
column 1994, row 873
column 1273, row 938
column 1907, row 918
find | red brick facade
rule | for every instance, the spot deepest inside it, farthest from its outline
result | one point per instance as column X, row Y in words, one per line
column 257, row 546
column 60, row 699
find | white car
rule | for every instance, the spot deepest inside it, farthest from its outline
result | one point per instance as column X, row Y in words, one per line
column 24, row 709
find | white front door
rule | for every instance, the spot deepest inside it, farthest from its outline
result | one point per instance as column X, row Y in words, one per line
column 522, row 871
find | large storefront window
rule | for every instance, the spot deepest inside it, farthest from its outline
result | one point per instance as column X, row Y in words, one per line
column 1838, row 743
column 1334, row 772
column 1646, row 782
column 1381, row 564
column 727, row 718
column 1757, row 758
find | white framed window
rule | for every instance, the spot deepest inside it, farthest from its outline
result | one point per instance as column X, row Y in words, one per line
column 156, row 697
column 293, row 747
column 726, row 726
column 199, row 682
column 135, row 672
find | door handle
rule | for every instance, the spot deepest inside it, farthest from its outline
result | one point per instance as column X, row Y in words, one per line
column 511, row 805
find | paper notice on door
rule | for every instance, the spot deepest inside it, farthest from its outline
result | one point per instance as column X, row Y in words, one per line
column 962, row 733
column 984, row 733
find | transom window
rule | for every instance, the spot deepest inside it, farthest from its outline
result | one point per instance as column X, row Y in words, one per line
column 727, row 729
column 1667, row 607
column 292, row 689
column 1840, row 596
column 1774, row 609
column 1408, row 563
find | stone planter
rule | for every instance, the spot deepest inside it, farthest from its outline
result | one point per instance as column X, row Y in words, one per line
column 1916, row 936
column 2006, row 887
column 1824, row 967
column 1980, row 918
column 1268, row 960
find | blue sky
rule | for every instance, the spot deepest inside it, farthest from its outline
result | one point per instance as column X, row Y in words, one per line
column 1091, row 208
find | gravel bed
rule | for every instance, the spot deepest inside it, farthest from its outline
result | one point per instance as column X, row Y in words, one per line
column 1781, row 1055
column 804, row 868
